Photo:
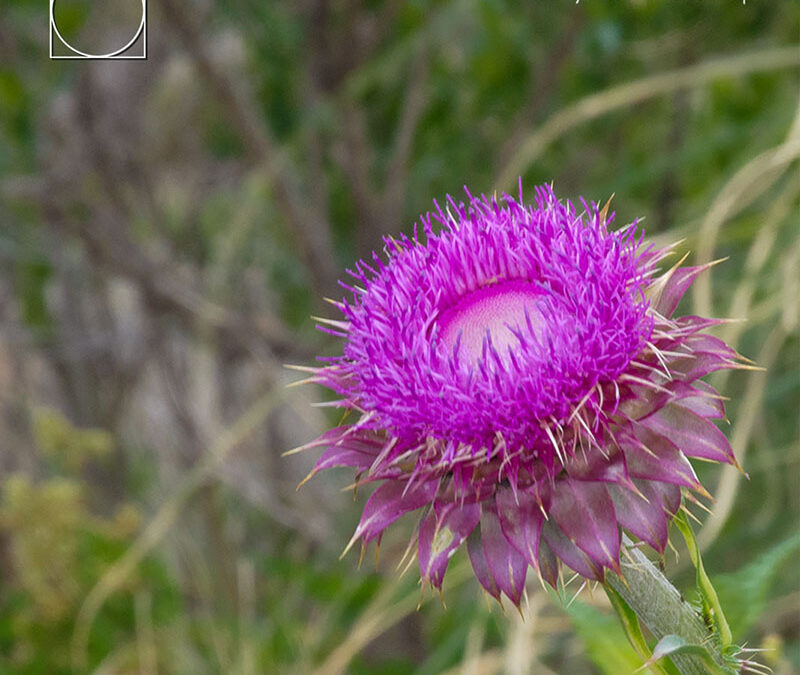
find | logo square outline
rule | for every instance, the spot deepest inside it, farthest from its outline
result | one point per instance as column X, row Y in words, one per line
column 118, row 54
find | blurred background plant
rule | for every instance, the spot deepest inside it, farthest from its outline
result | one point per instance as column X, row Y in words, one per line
column 167, row 227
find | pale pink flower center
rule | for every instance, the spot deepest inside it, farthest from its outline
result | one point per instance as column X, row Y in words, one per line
column 496, row 310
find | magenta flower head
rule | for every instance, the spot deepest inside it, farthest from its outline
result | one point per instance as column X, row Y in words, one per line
column 520, row 381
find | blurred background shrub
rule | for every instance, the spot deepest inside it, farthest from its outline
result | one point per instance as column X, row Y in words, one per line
column 168, row 226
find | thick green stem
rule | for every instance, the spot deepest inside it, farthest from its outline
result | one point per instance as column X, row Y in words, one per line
column 661, row 607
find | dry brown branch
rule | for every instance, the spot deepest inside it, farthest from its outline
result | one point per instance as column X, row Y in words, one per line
column 163, row 521
column 378, row 27
column 414, row 103
column 376, row 208
column 621, row 96
column 742, row 189
column 108, row 242
column 543, row 84
column 309, row 227
column 354, row 153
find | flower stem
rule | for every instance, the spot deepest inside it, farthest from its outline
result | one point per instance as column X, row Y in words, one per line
column 661, row 608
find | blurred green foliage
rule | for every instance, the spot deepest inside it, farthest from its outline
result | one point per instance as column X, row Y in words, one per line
column 58, row 550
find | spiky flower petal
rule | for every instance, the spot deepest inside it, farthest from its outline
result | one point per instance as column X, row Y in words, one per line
column 519, row 377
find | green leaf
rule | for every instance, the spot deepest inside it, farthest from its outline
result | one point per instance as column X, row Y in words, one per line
column 711, row 603
column 672, row 645
column 630, row 622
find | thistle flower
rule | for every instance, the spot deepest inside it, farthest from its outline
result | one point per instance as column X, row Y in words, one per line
column 520, row 381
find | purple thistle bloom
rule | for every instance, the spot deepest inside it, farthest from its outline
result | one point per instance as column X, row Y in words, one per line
column 520, row 377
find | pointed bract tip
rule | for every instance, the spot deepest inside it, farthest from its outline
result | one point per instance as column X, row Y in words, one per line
column 304, row 381
column 302, row 369
column 361, row 555
column 421, row 594
column 689, row 514
column 500, row 602
column 630, row 485
column 603, row 213
column 350, row 543
column 295, row 451
column 615, row 567
column 696, row 501
column 305, row 480
column 747, row 366
column 680, row 262
column 677, row 243
column 699, row 489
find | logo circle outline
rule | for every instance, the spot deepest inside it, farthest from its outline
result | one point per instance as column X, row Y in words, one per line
column 109, row 55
